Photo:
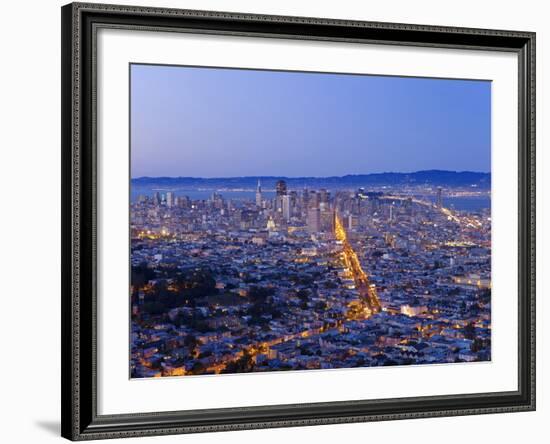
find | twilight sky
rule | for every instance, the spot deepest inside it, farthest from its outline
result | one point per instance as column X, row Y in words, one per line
column 205, row 122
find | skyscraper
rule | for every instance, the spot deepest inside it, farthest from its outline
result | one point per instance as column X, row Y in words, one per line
column 313, row 200
column 314, row 220
column 169, row 199
column 156, row 198
column 184, row 202
column 326, row 219
column 323, row 196
column 286, row 207
column 281, row 188
column 305, row 198
column 259, row 195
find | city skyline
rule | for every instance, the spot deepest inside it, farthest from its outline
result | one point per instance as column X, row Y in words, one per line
column 214, row 122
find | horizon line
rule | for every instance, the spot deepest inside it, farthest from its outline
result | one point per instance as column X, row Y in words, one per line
column 310, row 177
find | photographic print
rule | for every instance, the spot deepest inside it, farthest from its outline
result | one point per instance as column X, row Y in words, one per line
column 284, row 221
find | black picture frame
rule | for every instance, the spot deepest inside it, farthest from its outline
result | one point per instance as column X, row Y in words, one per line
column 80, row 420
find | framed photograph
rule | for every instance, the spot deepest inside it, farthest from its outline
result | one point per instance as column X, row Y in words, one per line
column 280, row 221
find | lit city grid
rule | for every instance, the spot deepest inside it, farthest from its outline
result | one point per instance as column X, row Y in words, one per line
column 292, row 221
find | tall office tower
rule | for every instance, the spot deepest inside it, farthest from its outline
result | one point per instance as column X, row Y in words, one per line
column 323, row 196
column 326, row 217
column 169, row 199
column 156, row 198
column 217, row 201
column 286, row 207
column 293, row 198
column 313, row 220
column 324, row 199
column 281, row 188
column 347, row 205
column 439, row 198
column 313, row 200
column 183, row 202
column 259, row 195
column 305, row 198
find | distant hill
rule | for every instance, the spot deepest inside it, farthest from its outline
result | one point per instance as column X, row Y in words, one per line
column 428, row 177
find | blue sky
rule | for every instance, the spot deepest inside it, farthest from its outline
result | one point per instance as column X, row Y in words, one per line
column 213, row 122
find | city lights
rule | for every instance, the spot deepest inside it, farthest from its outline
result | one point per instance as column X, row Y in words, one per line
column 287, row 279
